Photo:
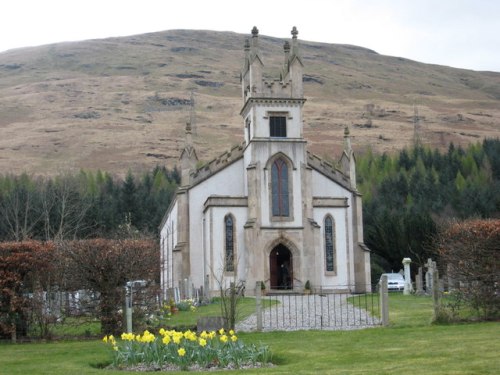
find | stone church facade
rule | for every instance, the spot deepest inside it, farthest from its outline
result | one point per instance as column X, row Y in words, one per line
column 267, row 210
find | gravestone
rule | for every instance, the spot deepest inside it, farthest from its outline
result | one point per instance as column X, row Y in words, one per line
column 429, row 281
column 408, row 287
column 419, row 281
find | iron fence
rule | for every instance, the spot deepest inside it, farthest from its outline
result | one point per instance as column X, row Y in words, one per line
column 328, row 310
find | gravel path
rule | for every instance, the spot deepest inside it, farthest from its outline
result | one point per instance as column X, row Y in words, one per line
column 302, row 312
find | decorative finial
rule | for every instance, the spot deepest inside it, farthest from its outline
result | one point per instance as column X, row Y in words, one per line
column 255, row 31
column 247, row 45
column 295, row 32
column 286, row 47
column 346, row 131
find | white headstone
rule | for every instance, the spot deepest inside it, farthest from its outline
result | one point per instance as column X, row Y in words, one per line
column 408, row 285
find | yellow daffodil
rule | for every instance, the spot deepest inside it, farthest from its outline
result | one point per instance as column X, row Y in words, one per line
column 181, row 352
column 127, row 336
column 189, row 335
column 231, row 332
column 166, row 339
column 223, row 338
column 221, row 331
column 105, row 339
column 177, row 336
column 202, row 342
column 234, row 338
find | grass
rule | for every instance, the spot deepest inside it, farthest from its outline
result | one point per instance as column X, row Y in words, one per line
column 246, row 307
column 410, row 344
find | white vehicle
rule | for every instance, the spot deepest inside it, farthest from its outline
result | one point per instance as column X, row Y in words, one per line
column 395, row 281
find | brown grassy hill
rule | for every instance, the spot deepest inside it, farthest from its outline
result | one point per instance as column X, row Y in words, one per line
column 122, row 103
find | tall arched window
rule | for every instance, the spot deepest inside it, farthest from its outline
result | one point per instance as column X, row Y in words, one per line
column 229, row 244
column 329, row 244
column 279, row 181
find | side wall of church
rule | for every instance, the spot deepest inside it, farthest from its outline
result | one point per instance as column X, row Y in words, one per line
column 343, row 275
column 227, row 182
column 214, row 237
column 168, row 241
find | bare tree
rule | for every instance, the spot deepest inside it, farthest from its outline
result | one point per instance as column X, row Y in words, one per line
column 230, row 292
column 64, row 208
column 20, row 208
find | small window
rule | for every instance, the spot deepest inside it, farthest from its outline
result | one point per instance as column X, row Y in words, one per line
column 329, row 244
column 277, row 126
column 229, row 253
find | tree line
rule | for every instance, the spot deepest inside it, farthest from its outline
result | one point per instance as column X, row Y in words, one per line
column 408, row 195
column 90, row 231
column 83, row 205
column 405, row 196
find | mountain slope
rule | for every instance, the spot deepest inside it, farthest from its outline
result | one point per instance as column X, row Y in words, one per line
column 122, row 103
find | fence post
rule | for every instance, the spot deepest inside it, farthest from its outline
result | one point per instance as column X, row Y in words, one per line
column 435, row 291
column 384, row 301
column 258, row 305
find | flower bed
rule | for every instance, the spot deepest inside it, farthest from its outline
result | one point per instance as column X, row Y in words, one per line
column 185, row 350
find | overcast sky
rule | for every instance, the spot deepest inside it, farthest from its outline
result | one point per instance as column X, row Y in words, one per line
column 458, row 33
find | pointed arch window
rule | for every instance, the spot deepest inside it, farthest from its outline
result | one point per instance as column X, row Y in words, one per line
column 280, row 193
column 229, row 244
column 329, row 244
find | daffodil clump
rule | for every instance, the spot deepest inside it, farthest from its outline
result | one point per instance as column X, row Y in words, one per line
column 185, row 349
column 186, row 305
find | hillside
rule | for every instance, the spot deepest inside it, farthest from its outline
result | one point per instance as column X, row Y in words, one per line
column 122, row 103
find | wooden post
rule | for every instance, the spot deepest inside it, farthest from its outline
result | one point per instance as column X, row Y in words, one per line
column 384, row 301
column 435, row 291
column 258, row 305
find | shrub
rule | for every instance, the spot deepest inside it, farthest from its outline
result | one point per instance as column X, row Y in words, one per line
column 470, row 250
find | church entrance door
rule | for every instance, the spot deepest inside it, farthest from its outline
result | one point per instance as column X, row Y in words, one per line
column 281, row 267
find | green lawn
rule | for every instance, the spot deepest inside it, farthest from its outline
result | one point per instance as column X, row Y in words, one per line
column 410, row 345
column 246, row 307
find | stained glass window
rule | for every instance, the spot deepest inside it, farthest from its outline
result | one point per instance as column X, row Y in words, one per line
column 329, row 244
column 279, row 181
column 229, row 254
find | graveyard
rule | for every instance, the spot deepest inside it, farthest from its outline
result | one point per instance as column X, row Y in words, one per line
column 409, row 343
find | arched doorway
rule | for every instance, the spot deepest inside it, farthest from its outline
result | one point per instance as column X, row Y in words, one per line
column 281, row 268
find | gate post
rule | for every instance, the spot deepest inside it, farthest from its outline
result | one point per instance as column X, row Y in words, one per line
column 258, row 305
column 384, row 301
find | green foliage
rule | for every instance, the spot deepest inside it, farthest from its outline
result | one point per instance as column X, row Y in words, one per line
column 82, row 205
column 406, row 194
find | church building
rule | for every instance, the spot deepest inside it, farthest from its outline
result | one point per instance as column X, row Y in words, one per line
column 267, row 210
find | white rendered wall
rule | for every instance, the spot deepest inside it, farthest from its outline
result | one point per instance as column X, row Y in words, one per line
column 324, row 187
column 168, row 240
column 214, row 250
column 260, row 123
column 227, row 182
column 341, row 276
